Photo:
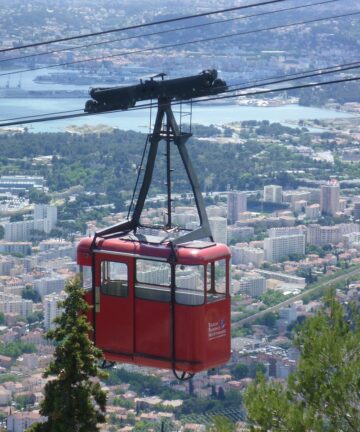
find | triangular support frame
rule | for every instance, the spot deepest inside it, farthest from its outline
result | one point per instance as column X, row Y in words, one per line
column 170, row 133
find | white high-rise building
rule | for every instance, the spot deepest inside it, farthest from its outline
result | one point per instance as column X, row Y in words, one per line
column 252, row 285
column 247, row 255
column 277, row 248
column 285, row 231
column 51, row 309
column 288, row 313
column 236, row 203
column 12, row 303
column 216, row 210
column 312, row 211
column 49, row 285
column 273, row 193
column 154, row 275
column 218, row 226
column 45, row 218
column 330, row 198
column 239, row 234
column 44, row 211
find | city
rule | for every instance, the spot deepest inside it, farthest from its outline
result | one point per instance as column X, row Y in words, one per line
column 283, row 193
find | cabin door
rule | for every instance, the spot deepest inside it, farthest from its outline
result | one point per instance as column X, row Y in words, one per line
column 114, row 304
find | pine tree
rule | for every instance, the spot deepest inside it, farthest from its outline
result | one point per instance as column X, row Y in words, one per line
column 74, row 400
column 323, row 393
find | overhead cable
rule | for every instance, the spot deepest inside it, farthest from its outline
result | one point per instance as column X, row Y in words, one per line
column 237, row 87
column 157, row 33
column 196, row 41
column 254, row 93
column 137, row 26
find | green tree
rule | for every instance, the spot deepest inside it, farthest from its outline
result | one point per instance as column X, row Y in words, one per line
column 29, row 293
column 241, row 371
column 323, row 393
column 74, row 400
column 16, row 218
column 268, row 320
column 38, row 197
column 221, row 424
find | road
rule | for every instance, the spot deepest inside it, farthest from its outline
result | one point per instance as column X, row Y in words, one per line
column 295, row 298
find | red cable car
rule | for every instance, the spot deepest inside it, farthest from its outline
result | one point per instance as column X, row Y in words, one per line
column 164, row 301
column 140, row 317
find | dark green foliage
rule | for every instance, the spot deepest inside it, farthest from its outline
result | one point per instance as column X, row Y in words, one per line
column 30, row 293
column 341, row 93
column 256, row 368
column 240, row 371
column 143, row 384
column 15, row 349
column 221, row 424
column 307, row 273
column 8, row 377
column 323, row 394
column 105, row 164
column 22, row 401
column 74, row 400
column 268, row 320
column 272, row 297
column 38, row 197
column 35, row 317
column 16, row 218
column 126, row 403
column 196, row 405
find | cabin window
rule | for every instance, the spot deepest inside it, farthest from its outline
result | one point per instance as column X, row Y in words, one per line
column 189, row 283
column 86, row 277
column 153, row 280
column 216, row 280
column 114, row 279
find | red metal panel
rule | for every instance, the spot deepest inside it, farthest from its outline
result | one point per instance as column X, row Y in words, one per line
column 218, row 333
column 203, row 335
column 114, row 323
column 139, row 331
column 190, row 333
column 153, row 328
column 186, row 256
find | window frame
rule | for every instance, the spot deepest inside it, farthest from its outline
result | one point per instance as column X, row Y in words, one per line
column 103, row 288
column 82, row 279
column 212, row 291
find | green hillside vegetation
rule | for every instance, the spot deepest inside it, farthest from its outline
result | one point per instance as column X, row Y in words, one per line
column 323, row 393
column 105, row 163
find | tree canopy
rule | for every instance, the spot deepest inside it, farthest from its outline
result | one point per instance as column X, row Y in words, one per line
column 323, row 393
column 74, row 400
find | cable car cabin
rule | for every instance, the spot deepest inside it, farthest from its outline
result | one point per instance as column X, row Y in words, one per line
column 140, row 316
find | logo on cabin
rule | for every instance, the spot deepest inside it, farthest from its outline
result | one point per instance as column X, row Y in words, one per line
column 217, row 329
